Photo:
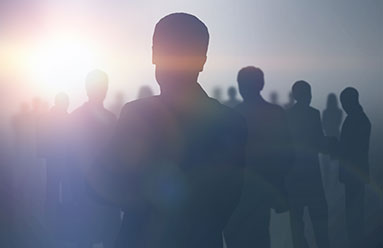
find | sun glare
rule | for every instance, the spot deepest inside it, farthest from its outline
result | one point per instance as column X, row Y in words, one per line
column 60, row 63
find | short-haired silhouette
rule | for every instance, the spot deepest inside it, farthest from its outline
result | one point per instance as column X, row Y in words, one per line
column 233, row 101
column 145, row 91
column 217, row 94
column 304, row 182
column 354, row 163
column 269, row 158
column 178, row 157
column 92, row 127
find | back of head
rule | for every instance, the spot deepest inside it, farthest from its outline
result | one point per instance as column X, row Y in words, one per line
column 180, row 44
column 350, row 99
column 62, row 101
column 250, row 82
column 96, row 84
column 301, row 91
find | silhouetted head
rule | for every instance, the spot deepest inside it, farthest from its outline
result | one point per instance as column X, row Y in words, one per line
column 332, row 101
column 349, row 99
column 217, row 94
column 232, row 92
column 250, row 82
column 62, row 101
column 96, row 86
column 180, row 43
column 145, row 91
column 302, row 92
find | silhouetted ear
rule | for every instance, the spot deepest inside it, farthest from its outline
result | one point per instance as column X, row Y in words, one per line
column 203, row 61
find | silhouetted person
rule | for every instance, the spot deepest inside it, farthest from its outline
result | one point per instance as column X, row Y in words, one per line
column 304, row 181
column 269, row 158
column 178, row 157
column 274, row 98
column 92, row 125
column 332, row 117
column 118, row 103
column 233, row 101
column 145, row 91
column 354, row 164
column 291, row 101
column 54, row 148
column 331, row 120
column 217, row 94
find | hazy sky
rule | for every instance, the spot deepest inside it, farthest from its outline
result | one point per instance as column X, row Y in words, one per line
column 330, row 43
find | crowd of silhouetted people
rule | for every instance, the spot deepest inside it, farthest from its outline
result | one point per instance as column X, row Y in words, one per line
column 185, row 170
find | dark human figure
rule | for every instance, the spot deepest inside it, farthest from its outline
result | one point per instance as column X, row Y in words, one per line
column 274, row 98
column 54, row 148
column 331, row 120
column 269, row 158
column 177, row 157
column 233, row 101
column 354, row 164
column 145, row 91
column 290, row 103
column 92, row 127
column 118, row 103
column 304, row 182
column 217, row 94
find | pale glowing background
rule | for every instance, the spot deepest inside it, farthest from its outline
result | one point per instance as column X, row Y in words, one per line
column 47, row 46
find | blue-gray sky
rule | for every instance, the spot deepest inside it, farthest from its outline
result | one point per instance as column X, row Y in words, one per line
column 331, row 44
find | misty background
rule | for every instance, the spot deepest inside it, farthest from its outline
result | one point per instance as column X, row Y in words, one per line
column 331, row 44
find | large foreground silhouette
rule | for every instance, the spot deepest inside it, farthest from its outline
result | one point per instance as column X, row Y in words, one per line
column 175, row 164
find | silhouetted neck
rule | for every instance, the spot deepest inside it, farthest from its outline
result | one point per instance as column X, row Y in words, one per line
column 95, row 105
column 255, row 99
column 302, row 105
column 182, row 90
column 355, row 110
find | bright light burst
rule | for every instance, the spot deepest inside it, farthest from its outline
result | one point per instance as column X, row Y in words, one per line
column 61, row 62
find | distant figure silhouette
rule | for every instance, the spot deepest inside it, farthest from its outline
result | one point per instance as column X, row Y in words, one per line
column 92, row 126
column 178, row 157
column 269, row 158
column 331, row 119
column 354, row 164
column 233, row 101
column 54, row 147
column 290, row 102
column 305, row 182
column 217, row 94
column 119, row 101
column 145, row 91
column 274, row 98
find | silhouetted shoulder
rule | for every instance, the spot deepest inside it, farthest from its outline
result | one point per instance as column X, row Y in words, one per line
column 140, row 106
column 230, row 115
